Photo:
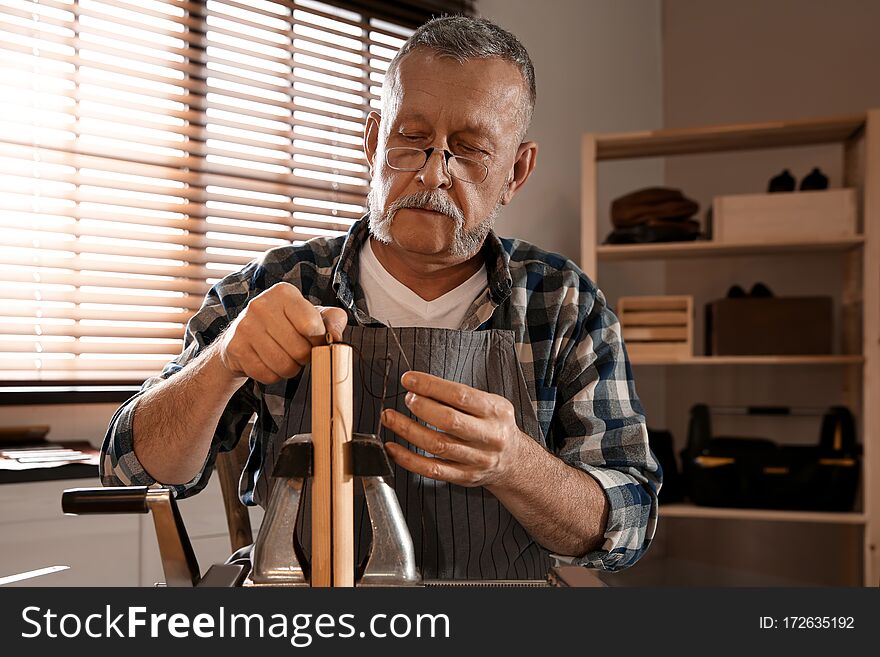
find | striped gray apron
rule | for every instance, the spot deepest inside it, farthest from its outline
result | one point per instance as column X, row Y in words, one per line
column 457, row 532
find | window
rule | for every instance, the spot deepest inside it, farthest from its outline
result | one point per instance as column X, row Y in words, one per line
column 150, row 147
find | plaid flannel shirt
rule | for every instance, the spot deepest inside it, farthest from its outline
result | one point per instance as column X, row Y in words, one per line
column 568, row 342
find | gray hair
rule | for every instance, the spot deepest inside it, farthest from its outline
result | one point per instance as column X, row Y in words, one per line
column 464, row 38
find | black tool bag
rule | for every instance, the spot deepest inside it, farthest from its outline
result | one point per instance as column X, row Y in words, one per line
column 759, row 473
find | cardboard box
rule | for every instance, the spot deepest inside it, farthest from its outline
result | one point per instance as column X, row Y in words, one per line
column 785, row 216
column 792, row 326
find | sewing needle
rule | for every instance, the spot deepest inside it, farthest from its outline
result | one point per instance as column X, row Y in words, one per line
column 400, row 348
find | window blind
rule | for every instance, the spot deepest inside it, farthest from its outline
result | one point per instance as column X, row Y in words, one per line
column 149, row 148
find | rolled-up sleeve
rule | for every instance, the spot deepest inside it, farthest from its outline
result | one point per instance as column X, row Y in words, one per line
column 599, row 427
column 119, row 466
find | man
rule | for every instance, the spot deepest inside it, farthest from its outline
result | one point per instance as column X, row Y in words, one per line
column 520, row 433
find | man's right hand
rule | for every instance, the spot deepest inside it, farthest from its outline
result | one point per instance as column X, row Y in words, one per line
column 272, row 338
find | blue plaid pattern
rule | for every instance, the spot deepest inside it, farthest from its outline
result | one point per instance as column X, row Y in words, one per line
column 568, row 343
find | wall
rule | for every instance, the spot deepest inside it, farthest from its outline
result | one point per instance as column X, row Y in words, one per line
column 744, row 61
column 598, row 69
column 597, row 66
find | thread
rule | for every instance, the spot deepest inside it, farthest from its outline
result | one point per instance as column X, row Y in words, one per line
column 364, row 362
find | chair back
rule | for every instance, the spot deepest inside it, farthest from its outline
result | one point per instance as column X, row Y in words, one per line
column 229, row 467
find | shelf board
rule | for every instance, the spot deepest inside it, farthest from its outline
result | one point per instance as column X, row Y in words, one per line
column 833, row 359
column 708, row 248
column 716, row 513
column 737, row 137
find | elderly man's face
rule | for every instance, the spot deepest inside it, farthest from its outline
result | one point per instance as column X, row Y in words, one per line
column 471, row 109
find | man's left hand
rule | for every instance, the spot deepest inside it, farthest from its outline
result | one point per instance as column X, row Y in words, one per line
column 476, row 441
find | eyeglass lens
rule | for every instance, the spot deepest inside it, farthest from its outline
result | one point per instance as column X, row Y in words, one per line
column 413, row 159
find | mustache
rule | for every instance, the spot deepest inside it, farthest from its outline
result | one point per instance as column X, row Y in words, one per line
column 433, row 200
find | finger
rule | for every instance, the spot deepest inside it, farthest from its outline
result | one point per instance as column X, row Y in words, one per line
column 276, row 357
column 305, row 317
column 433, row 468
column 452, row 421
column 470, row 400
column 439, row 444
column 283, row 333
column 335, row 320
column 255, row 368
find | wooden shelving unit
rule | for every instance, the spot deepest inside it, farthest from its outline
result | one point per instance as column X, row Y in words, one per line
column 736, row 137
column 770, row 515
column 859, row 302
column 756, row 360
column 709, row 249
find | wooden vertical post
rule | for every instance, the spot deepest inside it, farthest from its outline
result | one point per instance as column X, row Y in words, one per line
column 340, row 467
column 322, row 567
column 589, row 207
column 332, row 480
column 871, row 348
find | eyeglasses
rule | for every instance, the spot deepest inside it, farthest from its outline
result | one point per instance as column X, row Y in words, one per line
column 402, row 158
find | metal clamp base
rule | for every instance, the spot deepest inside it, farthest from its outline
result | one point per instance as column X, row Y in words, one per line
column 275, row 558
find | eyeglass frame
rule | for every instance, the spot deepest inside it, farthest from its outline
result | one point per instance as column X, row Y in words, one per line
column 447, row 155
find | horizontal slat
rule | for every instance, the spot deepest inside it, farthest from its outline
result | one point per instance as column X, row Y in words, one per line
column 646, row 318
column 50, row 312
column 79, row 296
column 66, row 277
column 37, row 347
column 661, row 303
column 133, row 376
column 655, row 333
column 94, row 364
column 80, row 331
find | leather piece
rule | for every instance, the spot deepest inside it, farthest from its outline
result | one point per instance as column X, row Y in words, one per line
column 643, row 205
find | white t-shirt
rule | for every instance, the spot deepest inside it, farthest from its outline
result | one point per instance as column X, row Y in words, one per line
column 393, row 303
